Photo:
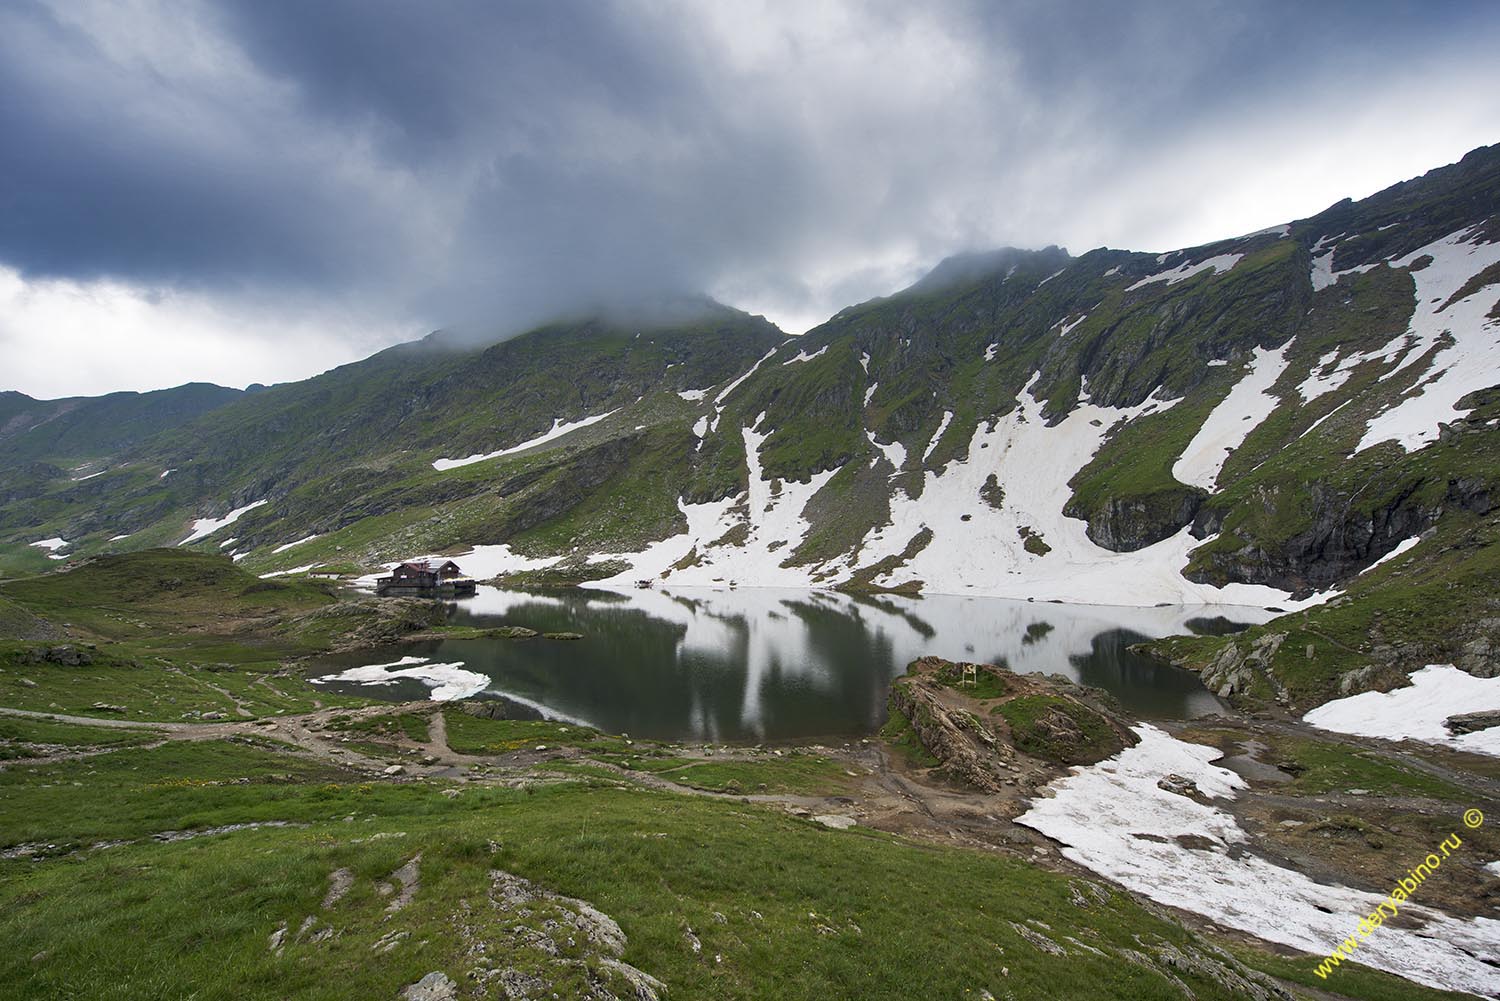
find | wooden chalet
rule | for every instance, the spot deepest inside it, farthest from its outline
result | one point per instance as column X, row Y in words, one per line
column 421, row 579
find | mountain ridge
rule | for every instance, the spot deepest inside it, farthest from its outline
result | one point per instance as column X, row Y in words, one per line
column 1259, row 420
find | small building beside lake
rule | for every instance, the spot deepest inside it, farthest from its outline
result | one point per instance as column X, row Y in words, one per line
column 421, row 579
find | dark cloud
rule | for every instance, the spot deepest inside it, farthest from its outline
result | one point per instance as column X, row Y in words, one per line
column 483, row 164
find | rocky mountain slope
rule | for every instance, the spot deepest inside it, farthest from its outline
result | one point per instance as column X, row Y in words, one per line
column 1302, row 418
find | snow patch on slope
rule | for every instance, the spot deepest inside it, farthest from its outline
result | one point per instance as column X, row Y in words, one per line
column 1114, row 819
column 52, row 546
column 204, row 527
column 1186, row 270
column 290, row 545
column 1032, row 464
column 1248, row 404
column 559, row 428
column 937, row 435
column 771, row 515
column 1417, row 711
column 802, row 356
column 895, row 452
column 1470, row 361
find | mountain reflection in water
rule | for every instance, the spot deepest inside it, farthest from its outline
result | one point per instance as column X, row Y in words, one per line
column 758, row 664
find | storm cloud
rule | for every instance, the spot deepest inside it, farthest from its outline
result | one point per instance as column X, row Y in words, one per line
column 254, row 190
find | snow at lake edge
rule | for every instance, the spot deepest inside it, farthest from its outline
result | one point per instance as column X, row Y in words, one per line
column 1417, row 711
column 447, row 681
column 1114, row 819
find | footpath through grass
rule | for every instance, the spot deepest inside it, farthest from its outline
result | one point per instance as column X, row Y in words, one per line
column 718, row 899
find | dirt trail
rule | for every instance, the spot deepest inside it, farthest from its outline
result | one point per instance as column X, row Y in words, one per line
column 239, row 704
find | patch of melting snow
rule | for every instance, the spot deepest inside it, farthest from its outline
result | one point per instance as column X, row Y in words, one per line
column 287, row 573
column 52, row 546
column 802, row 356
column 724, row 394
column 165, row 473
column 864, row 361
column 1186, row 270
column 1050, row 277
column 895, row 452
column 1248, row 404
column 1326, row 376
column 1066, row 326
column 204, row 527
column 1114, row 819
column 447, row 681
column 559, row 428
column 117, row 538
column 1470, row 358
column 289, row 545
column 90, row 476
column 870, row 392
column 937, row 435
column 989, row 352
column 1417, row 711
column 692, row 395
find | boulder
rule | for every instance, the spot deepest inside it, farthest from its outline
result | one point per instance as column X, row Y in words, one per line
column 1472, row 722
column 436, row 986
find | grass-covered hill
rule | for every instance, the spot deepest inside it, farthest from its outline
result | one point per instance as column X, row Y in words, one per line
column 1254, row 420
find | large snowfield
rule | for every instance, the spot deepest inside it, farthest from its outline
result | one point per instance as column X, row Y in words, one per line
column 979, row 548
column 1417, row 710
column 1114, row 819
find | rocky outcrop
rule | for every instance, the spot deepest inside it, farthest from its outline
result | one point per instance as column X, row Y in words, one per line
column 1236, row 670
column 967, row 748
column 1127, row 524
column 368, row 622
column 1341, row 538
column 991, row 729
column 1472, row 722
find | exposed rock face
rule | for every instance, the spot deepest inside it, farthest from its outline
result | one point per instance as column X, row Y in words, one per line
column 1135, row 523
column 1472, row 722
column 436, row 986
column 367, row 622
column 66, row 655
column 959, row 739
column 1235, row 671
column 991, row 729
column 1342, row 538
column 539, row 944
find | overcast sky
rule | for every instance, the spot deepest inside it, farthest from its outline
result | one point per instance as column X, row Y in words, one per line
column 254, row 191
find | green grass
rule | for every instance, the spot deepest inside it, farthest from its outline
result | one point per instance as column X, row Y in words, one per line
column 412, row 726
column 155, row 688
column 1324, row 766
column 987, row 684
column 15, row 730
column 1026, row 715
column 476, row 735
column 798, row 774
column 1350, row 980
column 781, row 907
column 901, row 738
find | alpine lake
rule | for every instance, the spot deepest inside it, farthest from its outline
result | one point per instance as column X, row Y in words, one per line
column 764, row 664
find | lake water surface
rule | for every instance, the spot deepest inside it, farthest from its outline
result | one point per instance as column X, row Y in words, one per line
column 755, row 664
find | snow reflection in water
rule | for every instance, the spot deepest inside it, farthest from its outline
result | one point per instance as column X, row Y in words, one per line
column 772, row 664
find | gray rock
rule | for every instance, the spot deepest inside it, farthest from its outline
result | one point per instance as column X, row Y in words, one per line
column 1472, row 722
column 434, row 987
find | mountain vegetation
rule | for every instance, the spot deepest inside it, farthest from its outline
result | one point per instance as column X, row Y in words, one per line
column 1187, row 426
